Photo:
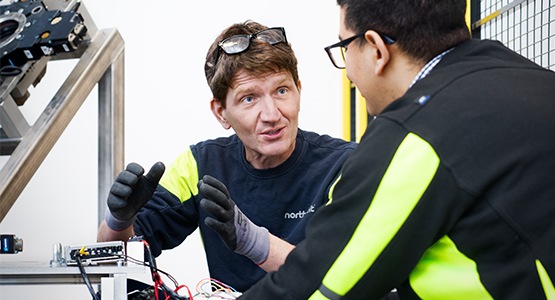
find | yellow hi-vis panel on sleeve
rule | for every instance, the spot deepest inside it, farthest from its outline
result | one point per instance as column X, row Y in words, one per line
column 410, row 172
column 181, row 177
column 330, row 194
column 546, row 281
column 444, row 272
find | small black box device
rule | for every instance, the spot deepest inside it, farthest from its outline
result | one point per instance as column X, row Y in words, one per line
column 10, row 244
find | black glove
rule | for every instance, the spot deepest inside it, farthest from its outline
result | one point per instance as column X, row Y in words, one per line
column 131, row 191
column 236, row 230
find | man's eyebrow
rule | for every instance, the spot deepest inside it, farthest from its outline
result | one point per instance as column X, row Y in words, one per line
column 282, row 80
column 246, row 90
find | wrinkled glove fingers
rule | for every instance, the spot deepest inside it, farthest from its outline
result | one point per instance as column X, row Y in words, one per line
column 135, row 168
column 123, row 186
column 127, row 178
column 216, row 210
column 120, row 193
column 215, row 195
column 207, row 179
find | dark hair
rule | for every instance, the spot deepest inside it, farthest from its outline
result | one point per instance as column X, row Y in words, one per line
column 260, row 58
column 422, row 28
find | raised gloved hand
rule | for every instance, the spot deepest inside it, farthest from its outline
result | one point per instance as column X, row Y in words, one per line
column 131, row 191
column 236, row 230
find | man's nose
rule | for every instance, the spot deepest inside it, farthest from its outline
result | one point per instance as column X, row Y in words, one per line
column 270, row 110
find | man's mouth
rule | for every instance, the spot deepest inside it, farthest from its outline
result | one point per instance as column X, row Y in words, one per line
column 273, row 132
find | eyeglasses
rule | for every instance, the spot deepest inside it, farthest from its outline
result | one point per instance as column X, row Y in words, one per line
column 240, row 43
column 338, row 50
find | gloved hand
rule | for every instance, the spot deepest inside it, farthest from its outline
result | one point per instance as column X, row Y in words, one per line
column 235, row 229
column 131, row 191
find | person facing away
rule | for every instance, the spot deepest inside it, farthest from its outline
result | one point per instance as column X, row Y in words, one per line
column 459, row 200
column 277, row 174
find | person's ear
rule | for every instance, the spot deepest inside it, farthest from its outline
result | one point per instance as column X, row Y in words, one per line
column 219, row 112
column 382, row 54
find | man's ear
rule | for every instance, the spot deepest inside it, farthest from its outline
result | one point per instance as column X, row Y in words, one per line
column 382, row 53
column 219, row 112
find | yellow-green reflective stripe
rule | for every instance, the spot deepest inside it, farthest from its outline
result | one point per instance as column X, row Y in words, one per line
column 407, row 177
column 330, row 194
column 444, row 272
column 318, row 296
column 546, row 281
column 181, row 176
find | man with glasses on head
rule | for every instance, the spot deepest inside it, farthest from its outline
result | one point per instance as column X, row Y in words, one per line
column 450, row 193
column 277, row 174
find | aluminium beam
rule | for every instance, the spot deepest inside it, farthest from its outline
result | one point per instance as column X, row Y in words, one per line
column 110, row 130
column 104, row 50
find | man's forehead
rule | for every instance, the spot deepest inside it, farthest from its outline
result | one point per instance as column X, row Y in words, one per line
column 243, row 77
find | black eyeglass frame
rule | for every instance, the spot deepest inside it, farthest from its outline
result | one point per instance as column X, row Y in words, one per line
column 344, row 43
column 250, row 37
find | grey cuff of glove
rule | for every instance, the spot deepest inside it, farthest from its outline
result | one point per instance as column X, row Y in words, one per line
column 257, row 246
column 116, row 224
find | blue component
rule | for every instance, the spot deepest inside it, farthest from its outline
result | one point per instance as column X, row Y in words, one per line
column 6, row 245
column 422, row 99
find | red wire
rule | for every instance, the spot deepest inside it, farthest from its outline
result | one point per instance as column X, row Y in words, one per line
column 188, row 290
column 156, row 289
column 158, row 284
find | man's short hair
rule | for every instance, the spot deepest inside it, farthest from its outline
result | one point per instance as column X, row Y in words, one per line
column 259, row 59
column 422, row 28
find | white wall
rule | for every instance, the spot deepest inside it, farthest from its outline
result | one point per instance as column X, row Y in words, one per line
column 166, row 110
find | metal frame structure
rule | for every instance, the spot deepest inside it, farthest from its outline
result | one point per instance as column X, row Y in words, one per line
column 495, row 14
column 526, row 27
column 101, row 61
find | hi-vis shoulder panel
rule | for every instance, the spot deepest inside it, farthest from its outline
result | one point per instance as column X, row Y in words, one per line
column 546, row 281
column 181, row 176
column 443, row 265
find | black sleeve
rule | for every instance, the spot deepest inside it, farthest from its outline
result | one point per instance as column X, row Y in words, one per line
column 369, row 238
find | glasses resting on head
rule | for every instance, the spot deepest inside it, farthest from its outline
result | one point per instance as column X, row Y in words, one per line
column 240, row 43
